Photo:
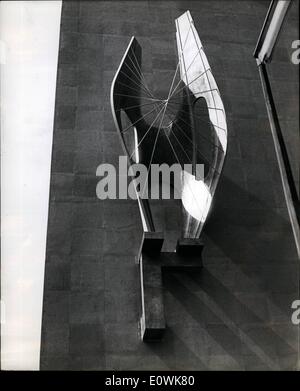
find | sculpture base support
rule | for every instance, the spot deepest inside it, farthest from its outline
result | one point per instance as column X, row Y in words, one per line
column 151, row 263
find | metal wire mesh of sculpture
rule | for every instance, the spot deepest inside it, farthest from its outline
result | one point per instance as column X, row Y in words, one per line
column 188, row 126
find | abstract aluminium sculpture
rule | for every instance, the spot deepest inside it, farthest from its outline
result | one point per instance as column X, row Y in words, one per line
column 188, row 126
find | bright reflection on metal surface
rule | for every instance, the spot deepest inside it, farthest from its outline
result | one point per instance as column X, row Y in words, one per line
column 196, row 197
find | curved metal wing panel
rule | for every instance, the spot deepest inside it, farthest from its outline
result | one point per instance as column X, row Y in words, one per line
column 125, row 98
column 197, row 76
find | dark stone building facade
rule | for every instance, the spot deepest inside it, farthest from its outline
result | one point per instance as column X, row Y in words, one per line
column 235, row 313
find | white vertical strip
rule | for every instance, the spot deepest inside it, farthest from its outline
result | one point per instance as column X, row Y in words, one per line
column 30, row 35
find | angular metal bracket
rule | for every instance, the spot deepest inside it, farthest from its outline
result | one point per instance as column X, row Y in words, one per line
column 151, row 262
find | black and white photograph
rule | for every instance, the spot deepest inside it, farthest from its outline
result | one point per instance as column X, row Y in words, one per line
column 150, row 212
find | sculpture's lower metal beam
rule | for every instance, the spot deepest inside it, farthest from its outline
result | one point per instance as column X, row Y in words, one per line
column 151, row 262
column 153, row 318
